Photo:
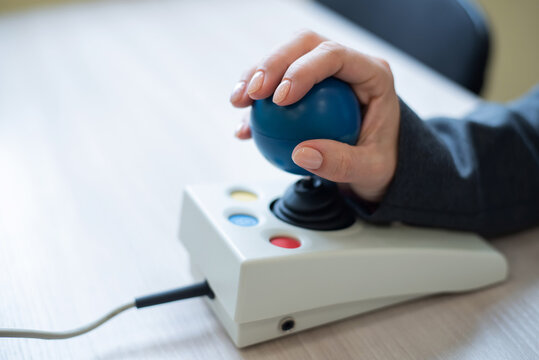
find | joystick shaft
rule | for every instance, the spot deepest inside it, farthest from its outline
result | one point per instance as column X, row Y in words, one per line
column 314, row 203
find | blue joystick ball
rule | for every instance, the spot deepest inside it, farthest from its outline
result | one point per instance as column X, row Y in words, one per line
column 330, row 110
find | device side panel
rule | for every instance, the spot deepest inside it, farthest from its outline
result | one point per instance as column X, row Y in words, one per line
column 308, row 281
column 217, row 262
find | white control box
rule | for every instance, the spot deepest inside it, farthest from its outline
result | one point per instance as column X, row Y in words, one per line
column 264, row 290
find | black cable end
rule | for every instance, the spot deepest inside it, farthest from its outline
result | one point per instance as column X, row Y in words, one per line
column 186, row 292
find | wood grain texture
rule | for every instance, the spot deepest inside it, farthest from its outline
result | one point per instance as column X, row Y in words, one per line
column 108, row 109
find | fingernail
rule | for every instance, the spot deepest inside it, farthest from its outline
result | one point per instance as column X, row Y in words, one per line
column 240, row 128
column 256, row 82
column 282, row 91
column 238, row 91
column 308, row 158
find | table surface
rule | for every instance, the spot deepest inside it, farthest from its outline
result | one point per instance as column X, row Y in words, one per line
column 108, row 109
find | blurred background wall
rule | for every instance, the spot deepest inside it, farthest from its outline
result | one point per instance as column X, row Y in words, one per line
column 514, row 60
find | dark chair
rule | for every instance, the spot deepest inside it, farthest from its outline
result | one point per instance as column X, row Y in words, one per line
column 450, row 36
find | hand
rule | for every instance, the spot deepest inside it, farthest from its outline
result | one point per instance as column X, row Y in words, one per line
column 291, row 70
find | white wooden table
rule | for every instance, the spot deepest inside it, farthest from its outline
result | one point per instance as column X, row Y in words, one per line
column 108, row 109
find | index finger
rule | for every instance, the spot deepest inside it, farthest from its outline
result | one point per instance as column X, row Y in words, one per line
column 271, row 69
column 368, row 76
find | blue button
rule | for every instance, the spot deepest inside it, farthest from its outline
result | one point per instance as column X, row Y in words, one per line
column 243, row 220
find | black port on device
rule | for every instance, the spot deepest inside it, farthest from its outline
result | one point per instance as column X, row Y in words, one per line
column 287, row 324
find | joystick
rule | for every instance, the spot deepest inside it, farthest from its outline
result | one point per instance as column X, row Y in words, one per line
column 313, row 203
column 330, row 110
column 271, row 269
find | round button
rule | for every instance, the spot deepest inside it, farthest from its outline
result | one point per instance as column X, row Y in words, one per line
column 285, row 242
column 243, row 195
column 243, row 220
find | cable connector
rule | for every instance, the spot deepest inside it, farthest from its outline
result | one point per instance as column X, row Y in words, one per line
column 186, row 292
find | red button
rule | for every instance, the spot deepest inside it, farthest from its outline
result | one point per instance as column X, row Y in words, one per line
column 285, row 242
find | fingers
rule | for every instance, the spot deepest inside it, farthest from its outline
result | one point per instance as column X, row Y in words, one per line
column 239, row 97
column 323, row 61
column 243, row 131
column 329, row 159
column 368, row 76
column 261, row 81
column 368, row 169
column 292, row 70
column 270, row 71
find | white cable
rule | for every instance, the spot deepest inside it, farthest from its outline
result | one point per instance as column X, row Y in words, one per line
column 51, row 335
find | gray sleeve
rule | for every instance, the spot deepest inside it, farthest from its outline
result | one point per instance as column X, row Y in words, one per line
column 479, row 173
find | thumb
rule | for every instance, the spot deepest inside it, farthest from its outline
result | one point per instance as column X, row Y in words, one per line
column 329, row 159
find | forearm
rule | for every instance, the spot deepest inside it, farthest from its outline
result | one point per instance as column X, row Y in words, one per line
column 480, row 173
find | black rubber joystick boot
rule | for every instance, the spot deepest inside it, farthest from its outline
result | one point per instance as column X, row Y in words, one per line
column 314, row 203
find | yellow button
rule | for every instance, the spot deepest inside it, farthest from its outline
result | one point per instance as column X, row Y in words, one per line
column 242, row 195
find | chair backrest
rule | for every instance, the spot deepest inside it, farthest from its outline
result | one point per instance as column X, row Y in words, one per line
column 450, row 36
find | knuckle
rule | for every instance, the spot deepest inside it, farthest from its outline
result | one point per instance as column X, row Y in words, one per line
column 384, row 63
column 385, row 71
column 308, row 36
column 389, row 76
column 390, row 81
column 332, row 48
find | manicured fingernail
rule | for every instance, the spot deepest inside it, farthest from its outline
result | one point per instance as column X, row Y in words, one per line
column 241, row 126
column 281, row 92
column 238, row 91
column 256, row 82
column 308, row 158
